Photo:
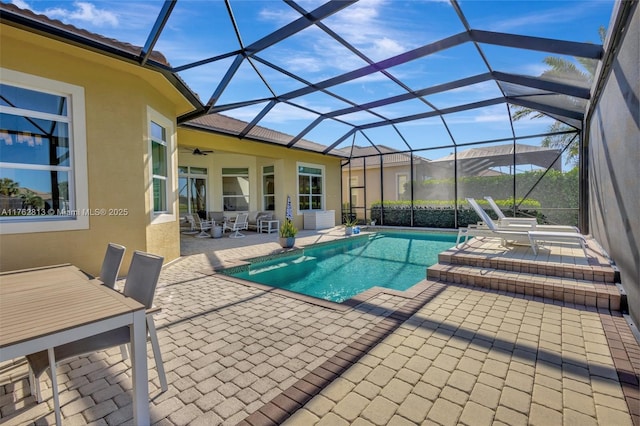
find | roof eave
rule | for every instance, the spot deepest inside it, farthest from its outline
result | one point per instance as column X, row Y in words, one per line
column 60, row 34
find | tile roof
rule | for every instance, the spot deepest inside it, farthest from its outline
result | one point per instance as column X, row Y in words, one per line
column 231, row 126
column 34, row 20
column 213, row 122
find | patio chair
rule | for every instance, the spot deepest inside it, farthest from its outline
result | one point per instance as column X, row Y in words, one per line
column 253, row 221
column 141, row 285
column 111, row 264
column 218, row 218
column 202, row 225
column 237, row 225
column 189, row 226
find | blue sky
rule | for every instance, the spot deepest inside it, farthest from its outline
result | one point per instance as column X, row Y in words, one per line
column 378, row 28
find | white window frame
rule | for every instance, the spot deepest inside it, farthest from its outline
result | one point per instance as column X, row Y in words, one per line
column 264, row 194
column 398, row 175
column 78, row 176
column 248, row 195
column 170, row 187
column 189, row 175
column 324, row 186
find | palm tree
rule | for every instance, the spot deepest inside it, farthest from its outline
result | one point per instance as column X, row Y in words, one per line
column 9, row 187
column 565, row 70
column 31, row 200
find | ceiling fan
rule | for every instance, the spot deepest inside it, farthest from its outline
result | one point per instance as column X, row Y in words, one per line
column 198, row 151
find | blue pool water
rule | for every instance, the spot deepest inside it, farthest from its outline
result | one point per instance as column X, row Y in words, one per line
column 340, row 270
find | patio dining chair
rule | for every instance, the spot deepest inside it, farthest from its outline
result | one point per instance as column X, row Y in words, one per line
column 111, row 264
column 140, row 284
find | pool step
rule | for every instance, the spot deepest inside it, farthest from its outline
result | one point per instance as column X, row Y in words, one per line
column 596, row 269
column 596, row 293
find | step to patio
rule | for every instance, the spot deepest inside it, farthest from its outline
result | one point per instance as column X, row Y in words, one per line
column 595, row 293
column 596, row 269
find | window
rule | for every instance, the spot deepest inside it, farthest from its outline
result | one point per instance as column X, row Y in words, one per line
column 401, row 181
column 310, row 187
column 192, row 184
column 43, row 171
column 268, row 188
column 159, row 161
column 160, row 142
column 235, row 189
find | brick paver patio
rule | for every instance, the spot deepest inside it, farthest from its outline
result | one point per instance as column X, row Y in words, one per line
column 437, row 354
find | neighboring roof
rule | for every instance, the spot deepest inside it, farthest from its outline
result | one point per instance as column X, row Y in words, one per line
column 372, row 156
column 473, row 161
column 502, row 151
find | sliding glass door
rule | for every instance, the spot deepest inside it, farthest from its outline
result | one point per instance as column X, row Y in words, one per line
column 192, row 184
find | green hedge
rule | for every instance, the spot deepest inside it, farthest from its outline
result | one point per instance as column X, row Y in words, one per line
column 440, row 214
column 557, row 192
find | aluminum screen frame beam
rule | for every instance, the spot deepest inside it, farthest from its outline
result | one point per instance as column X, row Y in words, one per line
column 540, row 44
column 158, row 26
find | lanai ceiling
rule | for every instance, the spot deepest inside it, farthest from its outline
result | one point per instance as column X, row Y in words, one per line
column 410, row 75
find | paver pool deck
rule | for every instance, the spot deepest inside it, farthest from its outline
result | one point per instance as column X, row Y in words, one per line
column 440, row 353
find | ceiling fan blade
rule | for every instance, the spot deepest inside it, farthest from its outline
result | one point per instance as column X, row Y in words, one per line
column 198, row 151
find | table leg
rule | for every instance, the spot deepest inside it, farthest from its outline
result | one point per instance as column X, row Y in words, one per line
column 140, row 373
column 54, row 385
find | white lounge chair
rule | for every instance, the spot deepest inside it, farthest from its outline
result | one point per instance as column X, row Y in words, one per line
column 237, row 225
column 530, row 221
column 522, row 226
column 517, row 233
column 506, row 221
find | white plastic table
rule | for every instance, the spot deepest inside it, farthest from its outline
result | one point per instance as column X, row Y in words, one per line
column 269, row 226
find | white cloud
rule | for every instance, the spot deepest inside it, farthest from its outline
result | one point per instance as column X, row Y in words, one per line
column 21, row 4
column 81, row 12
column 368, row 25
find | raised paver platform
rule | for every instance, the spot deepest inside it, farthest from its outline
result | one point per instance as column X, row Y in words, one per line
column 484, row 263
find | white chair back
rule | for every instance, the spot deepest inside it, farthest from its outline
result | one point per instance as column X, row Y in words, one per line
column 483, row 215
column 495, row 207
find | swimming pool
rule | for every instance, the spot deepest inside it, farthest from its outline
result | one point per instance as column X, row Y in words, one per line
column 339, row 270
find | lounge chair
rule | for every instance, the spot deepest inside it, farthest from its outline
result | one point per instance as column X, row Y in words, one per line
column 523, row 226
column 237, row 225
column 517, row 233
column 506, row 221
column 531, row 221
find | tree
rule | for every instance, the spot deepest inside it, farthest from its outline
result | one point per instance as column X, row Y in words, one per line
column 31, row 200
column 9, row 187
column 563, row 69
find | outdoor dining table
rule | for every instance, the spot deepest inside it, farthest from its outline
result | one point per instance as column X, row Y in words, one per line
column 45, row 307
